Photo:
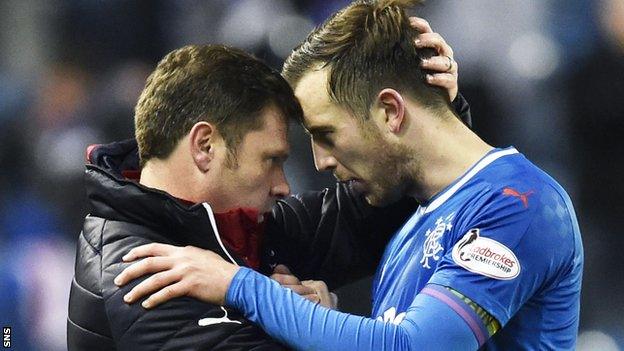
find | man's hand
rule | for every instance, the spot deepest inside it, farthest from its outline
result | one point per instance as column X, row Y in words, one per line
column 444, row 66
column 313, row 290
column 177, row 271
column 327, row 299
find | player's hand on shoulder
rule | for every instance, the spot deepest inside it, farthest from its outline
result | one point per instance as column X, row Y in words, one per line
column 175, row 272
column 443, row 67
column 313, row 290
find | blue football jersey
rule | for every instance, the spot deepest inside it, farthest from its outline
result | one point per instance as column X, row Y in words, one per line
column 504, row 235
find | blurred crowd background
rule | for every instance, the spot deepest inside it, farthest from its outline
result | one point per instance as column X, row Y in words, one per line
column 546, row 76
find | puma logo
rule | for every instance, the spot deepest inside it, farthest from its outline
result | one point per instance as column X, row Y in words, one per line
column 524, row 197
column 211, row 321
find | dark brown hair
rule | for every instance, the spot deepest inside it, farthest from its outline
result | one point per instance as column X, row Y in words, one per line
column 368, row 46
column 216, row 84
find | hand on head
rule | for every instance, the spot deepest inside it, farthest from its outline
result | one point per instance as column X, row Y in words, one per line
column 444, row 68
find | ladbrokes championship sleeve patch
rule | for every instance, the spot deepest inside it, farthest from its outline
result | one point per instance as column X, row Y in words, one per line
column 485, row 256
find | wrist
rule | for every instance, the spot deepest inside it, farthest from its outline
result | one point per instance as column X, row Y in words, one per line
column 235, row 284
column 228, row 272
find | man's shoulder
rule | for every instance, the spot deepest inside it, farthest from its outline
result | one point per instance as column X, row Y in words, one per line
column 88, row 324
column 98, row 244
column 515, row 179
column 526, row 197
column 526, row 210
column 100, row 248
column 111, row 239
column 188, row 321
column 518, row 169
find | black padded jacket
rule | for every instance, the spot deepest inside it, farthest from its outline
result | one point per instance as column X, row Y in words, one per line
column 124, row 215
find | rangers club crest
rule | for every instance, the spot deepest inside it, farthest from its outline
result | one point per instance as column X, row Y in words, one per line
column 432, row 246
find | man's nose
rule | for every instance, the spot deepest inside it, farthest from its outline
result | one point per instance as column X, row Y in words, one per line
column 280, row 188
column 323, row 160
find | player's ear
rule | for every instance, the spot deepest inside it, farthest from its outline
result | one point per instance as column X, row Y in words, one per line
column 393, row 109
column 202, row 138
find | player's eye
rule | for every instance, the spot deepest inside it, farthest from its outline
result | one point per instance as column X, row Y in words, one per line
column 324, row 137
column 276, row 160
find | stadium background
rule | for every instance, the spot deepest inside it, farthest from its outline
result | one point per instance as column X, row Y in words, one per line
column 546, row 76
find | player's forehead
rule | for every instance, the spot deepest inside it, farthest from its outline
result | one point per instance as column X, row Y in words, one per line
column 313, row 95
column 272, row 136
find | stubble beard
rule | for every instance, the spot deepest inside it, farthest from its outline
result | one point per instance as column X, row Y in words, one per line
column 391, row 176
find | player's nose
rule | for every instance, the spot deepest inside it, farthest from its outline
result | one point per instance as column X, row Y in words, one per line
column 280, row 187
column 323, row 160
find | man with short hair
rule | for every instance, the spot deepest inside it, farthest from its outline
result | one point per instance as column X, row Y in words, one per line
column 211, row 126
column 492, row 257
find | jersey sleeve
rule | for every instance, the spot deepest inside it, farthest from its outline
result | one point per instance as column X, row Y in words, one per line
column 515, row 245
column 428, row 324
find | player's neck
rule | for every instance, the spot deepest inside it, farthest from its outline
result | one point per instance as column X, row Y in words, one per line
column 451, row 152
column 171, row 176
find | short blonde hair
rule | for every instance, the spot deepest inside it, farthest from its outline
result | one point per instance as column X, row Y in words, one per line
column 368, row 46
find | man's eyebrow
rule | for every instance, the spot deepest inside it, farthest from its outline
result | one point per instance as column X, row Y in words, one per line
column 318, row 129
column 278, row 153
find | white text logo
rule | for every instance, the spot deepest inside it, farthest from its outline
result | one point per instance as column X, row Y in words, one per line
column 431, row 246
column 486, row 256
column 211, row 321
column 390, row 316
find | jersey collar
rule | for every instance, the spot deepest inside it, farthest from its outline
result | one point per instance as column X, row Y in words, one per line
column 441, row 197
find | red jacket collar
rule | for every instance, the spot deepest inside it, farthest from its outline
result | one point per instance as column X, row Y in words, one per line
column 242, row 230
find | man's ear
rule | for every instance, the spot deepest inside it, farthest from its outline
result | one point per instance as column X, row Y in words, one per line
column 202, row 138
column 393, row 107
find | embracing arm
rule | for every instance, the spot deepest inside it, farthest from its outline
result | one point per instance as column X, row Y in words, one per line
column 428, row 324
column 436, row 318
